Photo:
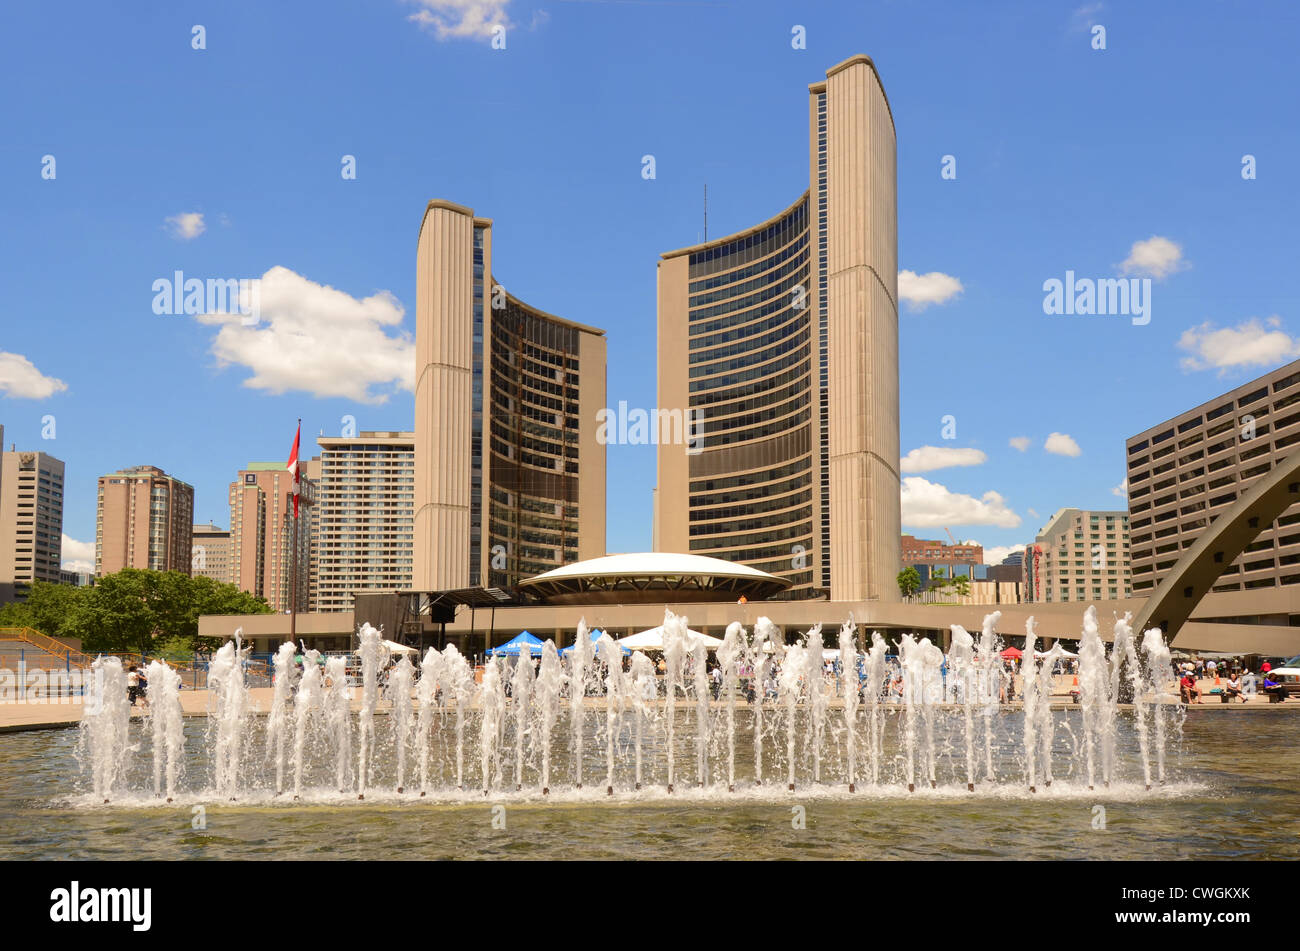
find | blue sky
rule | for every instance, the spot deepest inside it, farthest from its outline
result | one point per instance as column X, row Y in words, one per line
column 225, row 162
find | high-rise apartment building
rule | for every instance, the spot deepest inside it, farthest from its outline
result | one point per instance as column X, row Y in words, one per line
column 210, row 553
column 365, row 515
column 31, row 520
column 1185, row 471
column 1080, row 556
column 780, row 344
column 509, row 472
column 143, row 519
column 263, row 535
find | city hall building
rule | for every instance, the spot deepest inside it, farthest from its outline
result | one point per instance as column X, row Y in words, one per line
column 780, row 342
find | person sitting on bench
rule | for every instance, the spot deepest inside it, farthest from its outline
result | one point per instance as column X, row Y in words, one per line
column 1188, row 688
column 1233, row 689
column 1276, row 691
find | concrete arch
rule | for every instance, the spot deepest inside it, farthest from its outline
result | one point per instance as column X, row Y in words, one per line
column 1227, row 536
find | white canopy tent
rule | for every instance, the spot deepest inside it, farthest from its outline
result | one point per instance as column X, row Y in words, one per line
column 394, row 648
column 653, row 640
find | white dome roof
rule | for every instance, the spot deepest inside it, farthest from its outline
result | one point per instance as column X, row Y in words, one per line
column 653, row 563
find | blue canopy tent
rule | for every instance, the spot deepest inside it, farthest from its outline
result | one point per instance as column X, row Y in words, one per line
column 595, row 636
column 517, row 645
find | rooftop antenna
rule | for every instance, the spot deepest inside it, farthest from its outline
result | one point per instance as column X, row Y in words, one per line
column 706, row 211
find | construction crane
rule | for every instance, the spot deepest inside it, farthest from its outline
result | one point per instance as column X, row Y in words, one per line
column 950, row 538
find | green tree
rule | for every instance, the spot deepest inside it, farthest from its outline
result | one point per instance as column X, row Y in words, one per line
column 49, row 608
column 132, row 610
column 909, row 581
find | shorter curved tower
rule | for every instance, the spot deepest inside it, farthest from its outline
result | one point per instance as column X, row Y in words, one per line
column 509, row 475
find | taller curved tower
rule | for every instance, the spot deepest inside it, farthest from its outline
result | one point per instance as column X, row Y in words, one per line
column 781, row 341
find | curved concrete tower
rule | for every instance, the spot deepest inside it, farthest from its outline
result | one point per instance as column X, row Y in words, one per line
column 780, row 344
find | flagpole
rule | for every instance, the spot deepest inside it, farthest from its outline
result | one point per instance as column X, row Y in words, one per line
column 293, row 557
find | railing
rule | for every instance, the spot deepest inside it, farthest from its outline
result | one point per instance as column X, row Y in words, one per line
column 65, row 654
column 50, row 654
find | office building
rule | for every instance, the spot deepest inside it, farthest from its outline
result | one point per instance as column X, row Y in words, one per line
column 143, row 519
column 509, row 474
column 1185, row 471
column 780, row 344
column 210, row 553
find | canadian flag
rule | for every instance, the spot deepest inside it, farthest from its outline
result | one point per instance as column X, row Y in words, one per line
column 293, row 468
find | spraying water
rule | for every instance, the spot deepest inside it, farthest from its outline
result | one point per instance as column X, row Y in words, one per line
column 338, row 716
column 700, row 669
column 167, row 726
column 643, row 694
column 815, row 685
column 988, row 663
column 400, row 680
column 674, row 649
column 492, row 724
column 277, row 724
column 1046, row 722
column 459, row 679
column 1029, row 678
column 615, row 699
column 521, row 692
column 229, row 695
column 550, row 681
column 1095, row 699
column 766, row 636
column 792, row 671
column 729, row 654
column 874, row 673
column 849, row 688
column 105, row 723
column 427, row 694
column 373, row 657
column 1126, row 651
column 579, row 671
column 306, row 705
column 1160, row 673
column 961, row 667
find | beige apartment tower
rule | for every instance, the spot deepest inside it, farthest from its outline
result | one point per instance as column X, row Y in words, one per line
column 780, row 344
column 143, row 519
column 1187, row 470
column 363, row 517
column 509, row 475
column 31, row 521
column 1080, row 555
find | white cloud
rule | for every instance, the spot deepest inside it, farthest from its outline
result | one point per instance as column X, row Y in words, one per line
column 1061, row 444
column 1252, row 343
column 1082, row 19
column 457, row 19
column 20, row 379
column 1032, row 513
column 1155, row 257
column 1020, row 442
column 77, row 556
column 187, row 226
column 1121, row 490
column 919, row 291
column 994, row 556
column 929, row 505
column 319, row 340
column 927, row 458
